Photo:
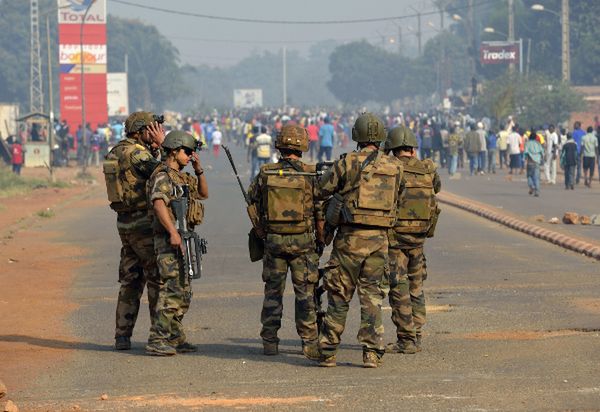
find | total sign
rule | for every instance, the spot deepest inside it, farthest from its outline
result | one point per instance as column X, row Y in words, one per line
column 72, row 11
column 499, row 52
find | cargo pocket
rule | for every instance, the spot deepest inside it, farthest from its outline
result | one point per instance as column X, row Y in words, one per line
column 335, row 282
column 168, row 266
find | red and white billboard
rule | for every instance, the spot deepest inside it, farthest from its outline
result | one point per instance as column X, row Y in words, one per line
column 82, row 41
column 499, row 53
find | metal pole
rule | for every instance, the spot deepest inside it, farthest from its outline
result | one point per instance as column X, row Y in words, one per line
column 528, row 56
column 284, row 56
column 511, row 32
column 50, row 105
column 400, row 40
column 83, row 128
column 419, row 33
column 521, row 56
column 566, row 52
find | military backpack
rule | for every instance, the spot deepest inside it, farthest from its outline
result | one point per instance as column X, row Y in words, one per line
column 419, row 204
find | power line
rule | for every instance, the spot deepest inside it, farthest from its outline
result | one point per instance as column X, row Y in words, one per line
column 295, row 22
column 234, row 41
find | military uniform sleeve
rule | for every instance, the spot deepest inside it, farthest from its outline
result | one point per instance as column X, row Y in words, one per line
column 437, row 182
column 331, row 182
column 143, row 161
column 160, row 187
column 254, row 191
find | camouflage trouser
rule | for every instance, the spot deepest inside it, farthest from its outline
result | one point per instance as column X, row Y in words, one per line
column 137, row 265
column 296, row 253
column 359, row 260
column 399, row 295
column 416, row 266
column 174, row 294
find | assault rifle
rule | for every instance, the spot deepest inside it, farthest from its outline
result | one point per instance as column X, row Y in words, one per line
column 256, row 236
column 319, row 291
column 194, row 246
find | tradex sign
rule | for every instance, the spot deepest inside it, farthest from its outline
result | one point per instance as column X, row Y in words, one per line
column 499, row 52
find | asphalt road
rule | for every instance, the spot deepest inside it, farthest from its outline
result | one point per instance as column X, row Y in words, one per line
column 513, row 325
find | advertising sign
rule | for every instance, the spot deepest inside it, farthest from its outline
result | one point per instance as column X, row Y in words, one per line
column 91, row 62
column 117, row 94
column 499, row 53
column 247, row 98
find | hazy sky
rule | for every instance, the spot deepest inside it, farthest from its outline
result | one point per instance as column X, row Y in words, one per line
column 222, row 43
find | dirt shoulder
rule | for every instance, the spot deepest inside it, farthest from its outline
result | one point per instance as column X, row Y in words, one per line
column 38, row 265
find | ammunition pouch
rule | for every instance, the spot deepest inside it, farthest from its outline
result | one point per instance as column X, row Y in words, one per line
column 195, row 212
column 256, row 246
column 333, row 210
column 114, row 190
column 434, row 220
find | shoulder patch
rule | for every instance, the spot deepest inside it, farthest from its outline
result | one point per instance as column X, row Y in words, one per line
column 139, row 146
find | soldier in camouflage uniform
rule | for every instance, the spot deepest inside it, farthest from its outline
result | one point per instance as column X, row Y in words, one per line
column 127, row 167
column 368, row 184
column 284, row 195
column 416, row 219
column 167, row 336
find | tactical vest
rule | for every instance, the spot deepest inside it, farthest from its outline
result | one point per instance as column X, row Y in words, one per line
column 287, row 201
column 419, row 202
column 371, row 195
column 125, row 188
column 195, row 212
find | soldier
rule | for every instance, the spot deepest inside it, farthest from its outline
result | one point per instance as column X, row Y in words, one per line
column 415, row 221
column 284, row 195
column 364, row 186
column 174, row 290
column 127, row 167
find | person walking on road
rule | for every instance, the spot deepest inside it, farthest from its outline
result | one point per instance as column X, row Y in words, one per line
column 326, row 136
column 491, row 151
column 568, row 161
column 416, row 217
column 514, row 151
column 534, row 157
column 552, row 145
column 578, row 134
column 589, row 151
column 127, row 168
column 472, row 146
column 364, row 185
column 167, row 336
column 17, row 158
column 285, row 201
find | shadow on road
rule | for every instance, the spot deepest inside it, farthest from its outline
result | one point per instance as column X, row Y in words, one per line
column 55, row 343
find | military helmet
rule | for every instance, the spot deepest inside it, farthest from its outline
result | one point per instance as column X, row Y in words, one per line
column 400, row 136
column 177, row 138
column 368, row 128
column 137, row 121
column 292, row 137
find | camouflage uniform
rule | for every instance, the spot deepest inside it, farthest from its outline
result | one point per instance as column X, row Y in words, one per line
column 408, row 266
column 173, row 286
column 289, row 223
column 138, row 263
column 359, row 260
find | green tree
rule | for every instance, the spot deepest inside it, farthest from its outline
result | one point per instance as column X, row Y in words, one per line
column 535, row 100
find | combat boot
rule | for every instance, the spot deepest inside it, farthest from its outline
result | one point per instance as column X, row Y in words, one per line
column 371, row 360
column 418, row 342
column 270, row 348
column 402, row 346
column 311, row 351
column 160, row 349
column 186, row 347
column 122, row 343
column 327, row 361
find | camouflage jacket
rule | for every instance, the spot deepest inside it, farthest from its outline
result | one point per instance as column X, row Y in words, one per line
column 370, row 184
column 417, row 205
column 286, row 204
column 165, row 184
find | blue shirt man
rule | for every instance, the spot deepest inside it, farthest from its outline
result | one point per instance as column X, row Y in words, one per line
column 326, row 133
column 578, row 134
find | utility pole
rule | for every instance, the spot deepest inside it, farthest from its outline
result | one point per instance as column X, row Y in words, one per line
column 511, row 30
column 36, row 94
column 400, row 40
column 419, row 34
column 284, row 56
column 50, row 104
column 566, row 52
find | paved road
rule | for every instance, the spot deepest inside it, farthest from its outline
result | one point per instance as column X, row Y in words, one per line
column 511, row 194
column 513, row 325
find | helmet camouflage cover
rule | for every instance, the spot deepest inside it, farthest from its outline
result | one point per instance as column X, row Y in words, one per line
column 177, row 138
column 368, row 128
column 400, row 136
column 292, row 137
column 137, row 121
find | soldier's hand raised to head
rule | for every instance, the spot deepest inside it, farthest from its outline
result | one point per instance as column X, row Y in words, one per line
column 156, row 132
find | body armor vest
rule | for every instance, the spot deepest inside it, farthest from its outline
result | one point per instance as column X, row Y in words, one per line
column 419, row 203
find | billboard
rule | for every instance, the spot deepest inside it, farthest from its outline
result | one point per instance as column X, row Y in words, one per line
column 117, row 94
column 247, row 98
column 499, row 53
column 83, row 60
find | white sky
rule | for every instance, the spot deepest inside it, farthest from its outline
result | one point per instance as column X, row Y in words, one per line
column 195, row 37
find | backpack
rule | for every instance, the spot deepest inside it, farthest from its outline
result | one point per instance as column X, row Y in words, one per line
column 419, row 205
